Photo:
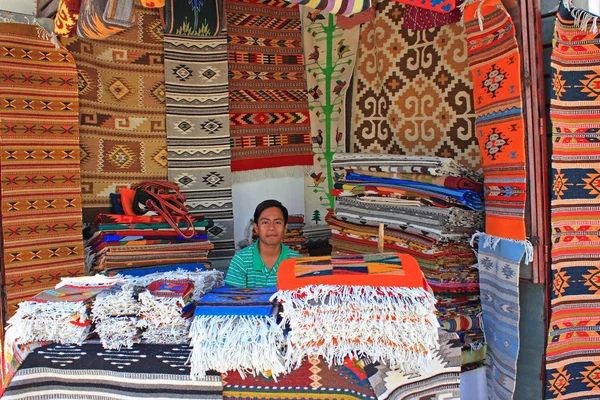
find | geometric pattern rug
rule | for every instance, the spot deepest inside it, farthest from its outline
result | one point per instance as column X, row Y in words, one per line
column 413, row 91
column 573, row 350
column 122, row 109
column 499, row 261
column 329, row 53
column 198, row 133
column 441, row 381
column 40, row 212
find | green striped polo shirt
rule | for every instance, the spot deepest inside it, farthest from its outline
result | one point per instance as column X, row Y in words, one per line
column 247, row 269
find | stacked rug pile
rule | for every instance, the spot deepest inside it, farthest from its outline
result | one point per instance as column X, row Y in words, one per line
column 294, row 236
column 429, row 207
column 117, row 242
column 317, row 239
column 373, row 306
column 235, row 329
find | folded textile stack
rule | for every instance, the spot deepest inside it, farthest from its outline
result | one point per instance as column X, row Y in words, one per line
column 317, row 239
column 236, row 329
column 116, row 242
column 58, row 315
column 294, row 236
column 430, row 207
column 372, row 306
column 166, row 310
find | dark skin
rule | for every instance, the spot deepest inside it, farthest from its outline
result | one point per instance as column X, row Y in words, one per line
column 270, row 230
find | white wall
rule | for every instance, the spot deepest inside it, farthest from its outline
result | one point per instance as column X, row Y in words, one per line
column 247, row 195
column 21, row 6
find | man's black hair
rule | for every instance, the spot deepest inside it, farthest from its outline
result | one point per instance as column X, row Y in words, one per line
column 269, row 204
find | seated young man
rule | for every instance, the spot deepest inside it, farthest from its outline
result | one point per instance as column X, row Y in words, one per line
column 257, row 264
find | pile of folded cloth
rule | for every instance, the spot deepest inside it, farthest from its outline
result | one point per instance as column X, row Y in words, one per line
column 116, row 242
column 236, row 329
column 429, row 207
column 156, row 307
column 294, row 236
column 317, row 239
column 373, row 306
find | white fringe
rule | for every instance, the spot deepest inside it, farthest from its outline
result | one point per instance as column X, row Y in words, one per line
column 477, row 12
column 392, row 325
column 298, row 171
column 492, row 242
column 248, row 344
column 118, row 332
column 161, row 319
column 582, row 18
column 204, row 281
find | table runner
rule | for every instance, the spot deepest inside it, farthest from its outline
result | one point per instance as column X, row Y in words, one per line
column 39, row 168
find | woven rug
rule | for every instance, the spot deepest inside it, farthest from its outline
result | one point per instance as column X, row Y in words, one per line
column 312, row 380
column 573, row 352
column 90, row 372
column 434, row 5
column 122, row 109
column 413, row 91
column 67, row 15
column 193, row 18
column 268, row 107
column 498, row 261
column 39, row 167
column 441, row 381
column 336, row 7
column 495, row 63
column 198, row 133
column 418, row 18
column 330, row 52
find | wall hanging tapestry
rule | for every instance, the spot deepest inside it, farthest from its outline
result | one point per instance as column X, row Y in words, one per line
column 99, row 19
column 198, row 133
column 498, row 262
column 573, row 352
column 193, row 18
column 336, row 7
column 39, row 166
column 268, row 107
column 441, row 381
column 495, row 63
column 67, row 15
column 122, row 109
column 330, row 52
column 434, row 5
column 156, row 371
column 312, row 380
column 418, row 18
column 413, row 90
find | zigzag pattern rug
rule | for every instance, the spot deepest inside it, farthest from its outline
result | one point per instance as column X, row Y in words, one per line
column 39, row 165
column 330, row 53
column 495, row 63
column 198, row 133
column 122, row 109
column 268, row 108
column 573, row 352
column 413, row 92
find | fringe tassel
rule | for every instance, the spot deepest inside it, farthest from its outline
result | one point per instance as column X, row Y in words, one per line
column 248, row 344
column 477, row 12
column 492, row 242
column 582, row 17
column 270, row 173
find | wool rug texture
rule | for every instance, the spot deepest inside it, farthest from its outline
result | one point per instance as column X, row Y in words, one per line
column 412, row 90
column 418, row 18
column 100, row 19
column 330, row 52
column 122, row 109
column 573, row 351
column 193, row 18
column 495, row 63
column 198, row 133
column 89, row 371
column 336, row 7
column 39, row 167
column 312, row 380
column 499, row 262
column 441, row 381
column 268, row 105
column 434, row 5
column 67, row 15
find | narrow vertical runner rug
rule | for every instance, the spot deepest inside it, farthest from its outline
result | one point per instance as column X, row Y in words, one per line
column 268, row 107
column 413, row 92
column 198, row 124
column 39, row 164
column 495, row 63
column 122, row 109
column 330, row 52
column 573, row 351
column 499, row 262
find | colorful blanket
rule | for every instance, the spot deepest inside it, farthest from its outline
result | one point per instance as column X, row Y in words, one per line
column 573, row 351
column 122, row 109
column 418, row 18
column 193, row 18
column 268, row 107
column 100, row 19
column 89, row 371
column 342, row 7
column 235, row 329
column 495, row 63
column 67, row 15
column 198, row 129
column 40, row 186
column 434, row 5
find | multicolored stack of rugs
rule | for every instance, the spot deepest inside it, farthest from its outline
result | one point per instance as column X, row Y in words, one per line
column 122, row 242
column 430, row 207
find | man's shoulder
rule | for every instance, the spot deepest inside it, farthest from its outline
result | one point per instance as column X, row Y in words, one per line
column 245, row 252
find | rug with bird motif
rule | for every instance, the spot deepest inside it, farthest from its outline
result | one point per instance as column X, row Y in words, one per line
column 412, row 90
column 268, row 104
column 330, row 52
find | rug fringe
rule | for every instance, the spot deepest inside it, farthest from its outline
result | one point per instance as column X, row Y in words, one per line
column 298, row 171
column 477, row 12
column 582, row 17
column 492, row 242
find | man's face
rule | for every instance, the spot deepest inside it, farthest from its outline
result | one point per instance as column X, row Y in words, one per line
column 270, row 226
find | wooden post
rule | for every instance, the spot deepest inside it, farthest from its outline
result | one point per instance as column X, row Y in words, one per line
column 380, row 238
